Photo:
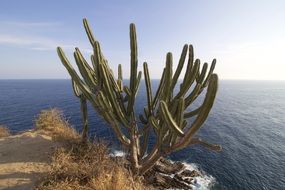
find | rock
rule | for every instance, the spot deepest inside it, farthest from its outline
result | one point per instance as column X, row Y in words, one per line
column 180, row 184
column 167, row 167
column 160, row 176
column 188, row 173
column 179, row 177
column 165, row 182
column 186, row 180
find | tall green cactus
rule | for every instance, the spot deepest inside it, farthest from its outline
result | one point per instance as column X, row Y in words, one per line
column 166, row 112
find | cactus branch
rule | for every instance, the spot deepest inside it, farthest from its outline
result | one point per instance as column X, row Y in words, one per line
column 210, row 146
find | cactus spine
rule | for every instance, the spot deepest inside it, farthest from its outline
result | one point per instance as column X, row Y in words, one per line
column 166, row 112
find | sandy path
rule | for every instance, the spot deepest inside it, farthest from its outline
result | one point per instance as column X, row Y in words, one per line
column 23, row 159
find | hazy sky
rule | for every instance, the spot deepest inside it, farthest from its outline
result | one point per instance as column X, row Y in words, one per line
column 246, row 36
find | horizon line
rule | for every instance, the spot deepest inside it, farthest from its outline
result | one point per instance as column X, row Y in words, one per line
column 142, row 79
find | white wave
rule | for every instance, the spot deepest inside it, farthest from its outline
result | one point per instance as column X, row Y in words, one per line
column 202, row 182
column 117, row 153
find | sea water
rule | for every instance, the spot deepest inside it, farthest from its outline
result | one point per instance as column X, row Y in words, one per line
column 247, row 120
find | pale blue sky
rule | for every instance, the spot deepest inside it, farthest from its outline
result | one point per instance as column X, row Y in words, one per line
column 246, row 36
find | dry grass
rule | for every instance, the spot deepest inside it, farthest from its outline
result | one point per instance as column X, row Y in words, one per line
column 81, row 166
column 4, row 131
column 86, row 167
column 54, row 122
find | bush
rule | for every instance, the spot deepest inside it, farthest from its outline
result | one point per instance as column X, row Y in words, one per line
column 54, row 122
column 4, row 131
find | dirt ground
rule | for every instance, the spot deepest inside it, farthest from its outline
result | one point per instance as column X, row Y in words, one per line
column 24, row 158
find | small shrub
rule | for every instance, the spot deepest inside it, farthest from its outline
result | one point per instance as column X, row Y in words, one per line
column 4, row 131
column 54, row 122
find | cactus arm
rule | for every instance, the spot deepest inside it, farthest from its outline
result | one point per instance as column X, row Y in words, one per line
column 88, row 32
column 106, row 108
column 113, row 81
column 168, row 76
column 134, row 65
column 83, row 106
column 111, row 96
column 84, row 112
column 134, row 57
column 201, row 84
column 120, row 78
column 190, row 78
column 193, row 95
column 76, row 90
column 179, row 118
column 189, row 64
column 115, row 87
column 163, row 130
column 154, row 124
column 111, row 76
column 179, row 66
column 205, row 109
column 110, row 118
column 192, row 113
column 213, row 65
column 180, row 110
column 84, row 89
column 150, row 161
column 207, row 145
column 169, row 119
column 159, row 89
column 84, row 62
column 200, row 77
column 120, row 72
column 96, row 63
column 95, row 67
column 145, row 142
column 148, row 87
column 137, row 83
column 85, row 73
column 127, row 91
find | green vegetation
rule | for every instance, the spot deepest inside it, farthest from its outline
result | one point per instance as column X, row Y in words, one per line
column 166, row 112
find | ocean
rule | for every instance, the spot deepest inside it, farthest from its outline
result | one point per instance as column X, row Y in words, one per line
column 248, row 120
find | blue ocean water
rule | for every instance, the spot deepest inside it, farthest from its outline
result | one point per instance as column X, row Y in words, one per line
column 248, row 120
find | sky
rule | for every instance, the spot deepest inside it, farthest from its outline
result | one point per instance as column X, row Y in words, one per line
column 246, row 37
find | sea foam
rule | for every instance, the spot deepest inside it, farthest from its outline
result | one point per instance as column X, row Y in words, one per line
column 202, row 182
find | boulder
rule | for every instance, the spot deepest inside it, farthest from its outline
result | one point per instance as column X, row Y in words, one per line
column 167, row 167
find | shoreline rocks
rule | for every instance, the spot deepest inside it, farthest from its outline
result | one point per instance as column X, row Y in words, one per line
column 166, row 174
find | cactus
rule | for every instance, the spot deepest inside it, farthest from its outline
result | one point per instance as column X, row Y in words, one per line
column 166, row 111
column 83, row 106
